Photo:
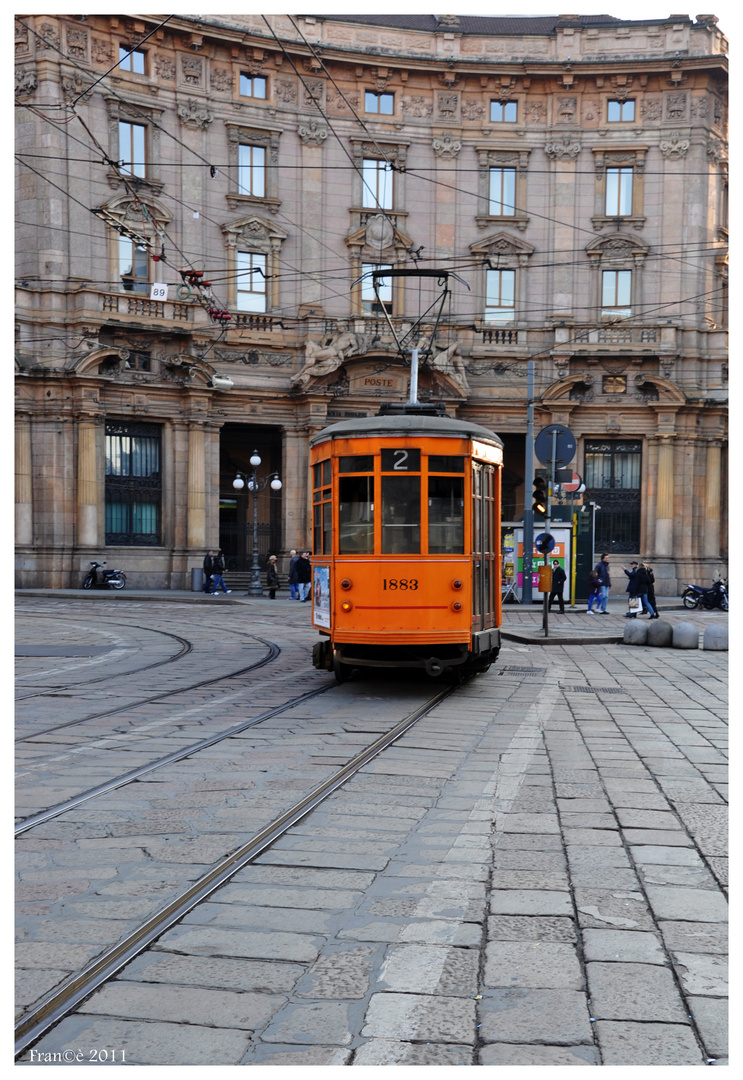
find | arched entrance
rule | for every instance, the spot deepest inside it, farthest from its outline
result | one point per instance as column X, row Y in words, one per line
column 236, row 445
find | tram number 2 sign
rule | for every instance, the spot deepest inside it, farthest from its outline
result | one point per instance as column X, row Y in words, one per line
column 402, row 460
column 403, row 584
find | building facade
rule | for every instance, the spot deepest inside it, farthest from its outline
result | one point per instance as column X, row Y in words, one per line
column 207, row 207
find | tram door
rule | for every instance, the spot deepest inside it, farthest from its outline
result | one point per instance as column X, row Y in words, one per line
column 485, row 535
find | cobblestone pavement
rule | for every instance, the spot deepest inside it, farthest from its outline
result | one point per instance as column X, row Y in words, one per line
column 535, row 874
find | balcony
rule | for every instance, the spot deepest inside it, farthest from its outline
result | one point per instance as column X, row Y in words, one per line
column 130, row 305
column 617, row 338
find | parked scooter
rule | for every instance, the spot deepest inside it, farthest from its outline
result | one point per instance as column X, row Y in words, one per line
column 694, row 596
column 99, row 578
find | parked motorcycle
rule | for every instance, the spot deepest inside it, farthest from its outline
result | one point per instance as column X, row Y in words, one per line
column 695, row 596
column 99, row 578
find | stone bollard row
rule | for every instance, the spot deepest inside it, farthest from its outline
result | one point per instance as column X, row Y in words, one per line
column 684, row 635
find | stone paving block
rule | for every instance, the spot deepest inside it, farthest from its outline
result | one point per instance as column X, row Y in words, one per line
column 694, row 905
column 593, row 837
column 32, row 983
column 528, row 860
column 149, row 1043
column 290, row 1056
column 537, row 964
column 183, row 1005
column 606, row 908
column 703, row 976
column 590, row 856
column 695, row 937
column 416, row 1017
column 304, row 877
column 205, row 941
column 626, row 991
column 311, row 1023
column 558, row 1017
column 295, row 920
column 430, row 969
column 628, row 946
column 711, row 1017
column 530, row 902
column 708, row 825
column 505, row 1054
column 526, row 842
column 647, row 1044
column 396, row 1052
column 531, row 928
column 606, row 877
column 217, row 972
column 658, row 837
column 334, row 860
column 690, row 876
column 656, row 855
column 340, row 974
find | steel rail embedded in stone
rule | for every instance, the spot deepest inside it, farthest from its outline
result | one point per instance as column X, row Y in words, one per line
column 63, row 1000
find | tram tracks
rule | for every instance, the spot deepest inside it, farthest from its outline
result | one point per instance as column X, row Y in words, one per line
column 73, row 991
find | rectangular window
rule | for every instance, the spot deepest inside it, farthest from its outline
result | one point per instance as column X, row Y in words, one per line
column 618, row 192
column 356, row 515
column 251, row 171
column 613, row 475
column 131, row 61
column 377, row 190
column 132, row 148
column 133, row 483
column 383, row 104
column 252, row 86
column 503, row 112
column 322, row 509
column 500, row 304
column 372, row 305
column 401, row 515
column 502, row 202
column 616, row 293
column 250, row 293
column 446, row 515
column 134, row 266
column 620, row 111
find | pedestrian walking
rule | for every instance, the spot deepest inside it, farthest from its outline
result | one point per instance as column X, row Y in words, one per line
column 559, row 577
column 593, row 591
column 639, row 580
column 293, row 579
column 217, row 581
column 631, row 574
column 304, row 576
column 604, row 580
column 206, row 584
column 272, row 577
column 651, row 589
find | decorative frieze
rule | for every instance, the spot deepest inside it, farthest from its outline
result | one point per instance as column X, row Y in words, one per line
column 195, row 114
column 445, row 146
column 567, row 146
column 313, row 133
column 674, row 145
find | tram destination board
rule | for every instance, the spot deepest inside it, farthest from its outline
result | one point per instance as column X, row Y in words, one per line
column 401, row 459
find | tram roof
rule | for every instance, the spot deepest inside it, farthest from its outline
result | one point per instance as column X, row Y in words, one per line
column 409, row 425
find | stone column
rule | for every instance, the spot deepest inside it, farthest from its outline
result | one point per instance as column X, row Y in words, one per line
column 295, row 477
column 24, row 530
column 196, row 491
column 712, row 502
column 87, row 484
column 664, row 508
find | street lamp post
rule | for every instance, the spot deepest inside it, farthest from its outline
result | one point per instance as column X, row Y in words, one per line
column 255, row 487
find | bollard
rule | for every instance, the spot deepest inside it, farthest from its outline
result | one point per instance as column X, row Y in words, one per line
column 660, row 633
column 635, row 633
column 685, row 636
column 715, row 637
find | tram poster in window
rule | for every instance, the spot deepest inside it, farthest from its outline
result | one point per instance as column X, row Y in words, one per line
column 321, row 595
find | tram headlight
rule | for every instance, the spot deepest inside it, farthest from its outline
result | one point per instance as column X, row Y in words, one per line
column 346, row 606
column 346, row 583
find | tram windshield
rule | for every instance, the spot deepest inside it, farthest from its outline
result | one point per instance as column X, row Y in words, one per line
column 446, row 515
column 401, row 515
column 356, row 515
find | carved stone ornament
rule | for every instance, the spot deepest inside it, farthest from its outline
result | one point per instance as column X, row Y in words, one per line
column 192, row 71
column 446, row 146
column 220, row 80
column 48, row 38
column 379, row 231
column 165, row 68
column 717, row 151
column 566, row 109
column 312, row 134
column 77, row 43
column 447, row 105
column 565, row 147
column 472, row 109
column 536, row 112
column 286, row 91
column 76, row 84
column 676, row 106
column 195, row 114
column 25, row 82
column 102, row 52
column 651, row 110
column 417, row 106
column 313, row 92
column 674, row 145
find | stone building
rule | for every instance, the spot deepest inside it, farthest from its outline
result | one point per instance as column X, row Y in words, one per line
column 202, row 202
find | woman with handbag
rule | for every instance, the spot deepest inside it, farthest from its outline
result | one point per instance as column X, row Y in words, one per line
column 637, row 587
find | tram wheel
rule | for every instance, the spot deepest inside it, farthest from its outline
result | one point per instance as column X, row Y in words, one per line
column 341, row 671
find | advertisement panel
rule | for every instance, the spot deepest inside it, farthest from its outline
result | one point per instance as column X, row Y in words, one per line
column 321, row 595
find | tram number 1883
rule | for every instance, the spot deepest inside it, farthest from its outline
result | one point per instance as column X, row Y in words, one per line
column 401, row 583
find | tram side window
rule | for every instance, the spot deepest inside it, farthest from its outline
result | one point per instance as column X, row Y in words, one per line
column 356, row 515
column 446, row 515
column 401, row 515
column 322, row 517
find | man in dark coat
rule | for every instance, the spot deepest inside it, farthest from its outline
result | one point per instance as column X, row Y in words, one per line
column 293, row 582
column 559, row 577
column 604, row 581
column 304, row 575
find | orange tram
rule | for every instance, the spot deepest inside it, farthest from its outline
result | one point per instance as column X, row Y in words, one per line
column 406, row 538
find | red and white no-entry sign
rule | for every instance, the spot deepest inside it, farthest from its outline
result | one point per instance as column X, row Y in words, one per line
column 573, row 484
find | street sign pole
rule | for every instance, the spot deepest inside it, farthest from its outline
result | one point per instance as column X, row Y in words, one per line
column 528, row 542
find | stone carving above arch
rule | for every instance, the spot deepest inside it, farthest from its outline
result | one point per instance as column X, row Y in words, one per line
column 502, row 250
column 253, row 232
column 617, row 248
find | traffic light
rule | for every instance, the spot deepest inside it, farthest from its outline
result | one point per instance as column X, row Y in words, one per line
column 539, row 497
